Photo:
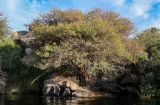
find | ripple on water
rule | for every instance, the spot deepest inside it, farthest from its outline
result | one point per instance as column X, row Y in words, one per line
column 38, row 100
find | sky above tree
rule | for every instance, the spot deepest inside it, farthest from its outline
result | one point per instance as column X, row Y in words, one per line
column 143, row 13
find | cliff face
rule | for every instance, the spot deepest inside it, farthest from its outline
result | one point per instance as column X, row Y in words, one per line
column 22, row 37
column 18, row 35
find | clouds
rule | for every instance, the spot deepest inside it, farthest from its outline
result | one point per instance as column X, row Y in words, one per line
column 144, row 13
column 19, row 12
column 12, row 4
column 119, row 2
column 142, row 7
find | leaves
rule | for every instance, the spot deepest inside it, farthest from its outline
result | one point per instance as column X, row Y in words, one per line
column 9, row 52
column 92, row 42
column 4, row 28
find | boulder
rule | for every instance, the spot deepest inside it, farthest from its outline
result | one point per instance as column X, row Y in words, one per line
column 129, row 79
column 66, row 87
column 67, row 92
column 125, row 85
column 28, row 51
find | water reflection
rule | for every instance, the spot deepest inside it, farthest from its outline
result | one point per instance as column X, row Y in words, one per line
column 2, row 100
column 86, row 101
column 37, row 100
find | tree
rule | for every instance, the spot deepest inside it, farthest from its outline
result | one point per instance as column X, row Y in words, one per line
column 86, row 43
column 57, row 16
column 123, row 26
column 149, row 67
column 4, row 28
column 9, row 54
column 149, row 37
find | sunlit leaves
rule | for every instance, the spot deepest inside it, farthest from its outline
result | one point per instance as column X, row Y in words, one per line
column 9, row 52
column 92, row 42
column 4, row 28
column 149, row 37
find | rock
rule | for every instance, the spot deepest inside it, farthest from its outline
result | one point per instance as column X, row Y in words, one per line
column 28, row 51
column 51, row 89
column 68, row 86
column 125, row 85
column 56, row 88
column 67, row 92
column 129, row 79
column 110, row 87
column 18, row 35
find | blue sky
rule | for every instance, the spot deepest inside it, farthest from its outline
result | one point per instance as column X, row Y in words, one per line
column 143, row 13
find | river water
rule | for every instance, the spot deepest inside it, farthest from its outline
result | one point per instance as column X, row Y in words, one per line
column 38, row 100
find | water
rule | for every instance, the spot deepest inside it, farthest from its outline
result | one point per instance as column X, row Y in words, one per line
column 38, row 100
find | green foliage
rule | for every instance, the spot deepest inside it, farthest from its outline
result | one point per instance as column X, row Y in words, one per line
column 149, row 67
column 58, row 16
column 149, row 37
column 17, row 74
column 83, row 44
column 89, row 43
column 149, row 78
column 4, row 28
column 10, row 53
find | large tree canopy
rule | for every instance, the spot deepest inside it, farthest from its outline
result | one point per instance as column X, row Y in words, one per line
column 122, row 25
column 92, row 42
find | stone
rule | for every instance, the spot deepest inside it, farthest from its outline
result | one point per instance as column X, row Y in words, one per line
column 125, row 85
column 28, row 51
column 67, row 92
column 67, row 87
column 51, row 89
column 129, row 79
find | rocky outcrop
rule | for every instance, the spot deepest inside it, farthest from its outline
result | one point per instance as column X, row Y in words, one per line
column 23, row 38
column 28, row 51
column 18, row 35
column 66, row 86
column 124, row 85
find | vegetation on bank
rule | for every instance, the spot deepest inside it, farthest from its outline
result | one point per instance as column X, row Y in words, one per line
column 86, row 45
column 18, row 74
column 149, row 67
